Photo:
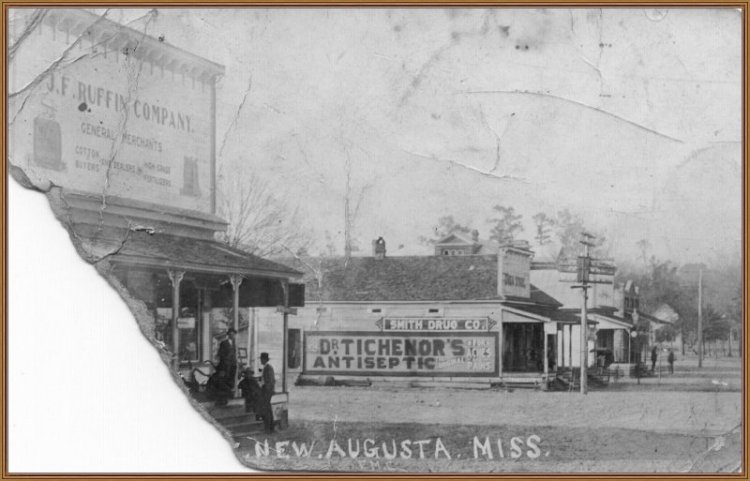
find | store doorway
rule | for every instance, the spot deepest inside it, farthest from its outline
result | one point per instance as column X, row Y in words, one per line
column 294, row 348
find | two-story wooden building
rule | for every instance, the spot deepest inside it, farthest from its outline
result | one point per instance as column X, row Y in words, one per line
column 120, row 129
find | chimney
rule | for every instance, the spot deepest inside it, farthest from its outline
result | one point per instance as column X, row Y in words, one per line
column 475, row 236
column 378, row 248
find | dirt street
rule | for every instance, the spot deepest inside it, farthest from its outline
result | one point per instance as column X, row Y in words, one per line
column 629, row 428
column 603, row 431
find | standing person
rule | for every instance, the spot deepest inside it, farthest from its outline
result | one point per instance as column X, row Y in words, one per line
column 551, row 359
column 226, row 370
column 654, row 357
column 251, row 392
column 670, row 360
column 269, row 386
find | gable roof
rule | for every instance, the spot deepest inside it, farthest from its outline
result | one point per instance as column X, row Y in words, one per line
column 481, row 246
column 454, row 238
column 406, row 278
column 538, row 296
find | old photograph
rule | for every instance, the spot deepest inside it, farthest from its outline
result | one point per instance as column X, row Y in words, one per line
column 382, row 240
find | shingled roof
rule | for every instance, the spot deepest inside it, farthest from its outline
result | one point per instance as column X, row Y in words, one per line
column 404, row 278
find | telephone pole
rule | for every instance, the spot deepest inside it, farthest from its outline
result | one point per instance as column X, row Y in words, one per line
column 584, row 269
column 585, row 266
column 584, row 337
column 700, row 316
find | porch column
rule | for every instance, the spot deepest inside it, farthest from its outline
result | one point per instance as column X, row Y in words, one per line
column 206, row 345
column 500, row 345
column 199, row 321
column 252, row 348
column 175, row 277
column 285, row 340
column 256, row 336
column 546, row 354
column 236, row 281
column 630, row 341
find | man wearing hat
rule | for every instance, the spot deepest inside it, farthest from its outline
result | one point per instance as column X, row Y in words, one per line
column 227, row 368
column 269, row 384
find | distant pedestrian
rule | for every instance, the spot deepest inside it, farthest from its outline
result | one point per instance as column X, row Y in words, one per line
column 654, row 358
column 670, row 360
column 269, row 386
column 551, row 359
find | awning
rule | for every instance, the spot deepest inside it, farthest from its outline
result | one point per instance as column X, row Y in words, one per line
column 143, row 249
column 516, row 314
column 610, row 322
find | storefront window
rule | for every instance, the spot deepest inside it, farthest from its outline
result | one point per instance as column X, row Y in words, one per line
column 187, row 336
column 163, row 328
column 188, row 333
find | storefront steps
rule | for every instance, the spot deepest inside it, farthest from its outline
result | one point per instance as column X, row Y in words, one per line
column 569, row 379
column 521, row 384
column 234, row 418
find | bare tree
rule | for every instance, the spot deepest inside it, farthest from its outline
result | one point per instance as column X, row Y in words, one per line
column 544, row 224
column 644, row 246
column 261, row 221
column 352, row 203
column 446, row 225
column 506, row 224
column 568, row 229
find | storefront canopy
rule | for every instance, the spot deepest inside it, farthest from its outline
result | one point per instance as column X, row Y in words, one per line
column 164, row 251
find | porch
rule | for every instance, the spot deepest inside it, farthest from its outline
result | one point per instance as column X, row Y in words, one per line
column 196, row 290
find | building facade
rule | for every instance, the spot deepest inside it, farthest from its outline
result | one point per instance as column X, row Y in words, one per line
column 461, row 319
column 120, row 129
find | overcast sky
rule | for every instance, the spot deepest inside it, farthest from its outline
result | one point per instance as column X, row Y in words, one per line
column 630, row 117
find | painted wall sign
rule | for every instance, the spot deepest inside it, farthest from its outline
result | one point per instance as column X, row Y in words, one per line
column 435, row 324
column 513, row 269
column 425, row 354
column 111, row 122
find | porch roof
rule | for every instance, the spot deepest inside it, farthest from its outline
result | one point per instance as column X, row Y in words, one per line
column 611, row 322
column 604, row 316
column 195, row 255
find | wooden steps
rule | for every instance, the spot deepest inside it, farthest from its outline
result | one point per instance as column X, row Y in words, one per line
column 570, row 378
column 234, row 418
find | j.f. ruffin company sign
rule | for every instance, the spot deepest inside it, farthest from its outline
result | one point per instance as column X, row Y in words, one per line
column 427, row 354
column 116, row 122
